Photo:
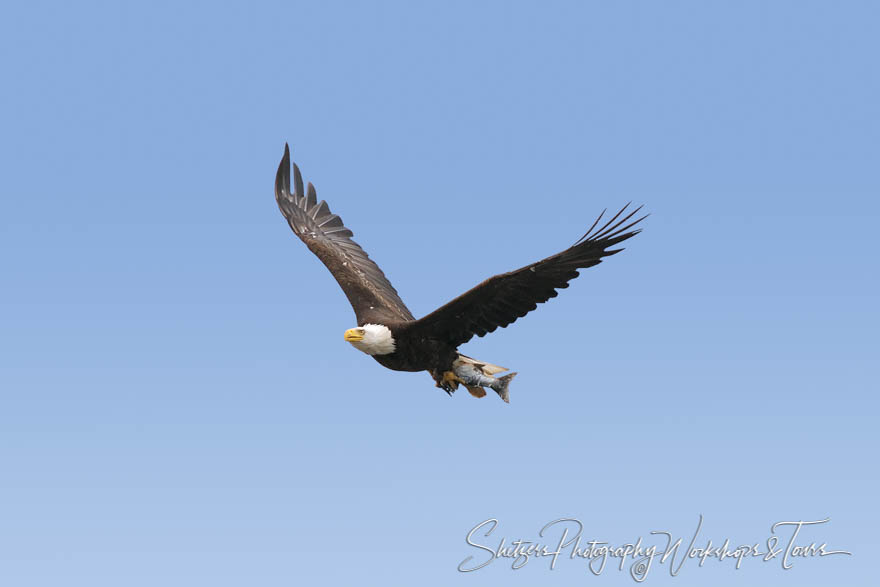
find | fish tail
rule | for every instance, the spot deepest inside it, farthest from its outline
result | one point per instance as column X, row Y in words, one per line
column 500, row 386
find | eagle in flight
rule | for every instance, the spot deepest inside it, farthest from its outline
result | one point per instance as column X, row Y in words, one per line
column 387, row 331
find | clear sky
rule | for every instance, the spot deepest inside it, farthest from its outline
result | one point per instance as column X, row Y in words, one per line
column 178, row 406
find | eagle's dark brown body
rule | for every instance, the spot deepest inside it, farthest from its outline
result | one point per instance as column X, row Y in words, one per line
column 417, row 353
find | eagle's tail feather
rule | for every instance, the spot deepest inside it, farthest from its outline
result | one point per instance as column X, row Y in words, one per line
column 486, row 368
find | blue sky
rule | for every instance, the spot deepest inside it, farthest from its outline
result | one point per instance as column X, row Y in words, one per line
column 179, row 407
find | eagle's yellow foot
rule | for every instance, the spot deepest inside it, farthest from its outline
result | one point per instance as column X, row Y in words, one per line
column 448, row 382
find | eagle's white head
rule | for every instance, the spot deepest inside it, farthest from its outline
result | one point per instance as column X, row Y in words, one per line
column 373, row 339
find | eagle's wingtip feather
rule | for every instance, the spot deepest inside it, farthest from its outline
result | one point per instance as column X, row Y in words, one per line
column 282, row 177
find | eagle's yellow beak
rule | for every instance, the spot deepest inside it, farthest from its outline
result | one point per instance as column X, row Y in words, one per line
column 354, row 335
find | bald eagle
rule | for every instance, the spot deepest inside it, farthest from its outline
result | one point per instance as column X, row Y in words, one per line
column 387, row 330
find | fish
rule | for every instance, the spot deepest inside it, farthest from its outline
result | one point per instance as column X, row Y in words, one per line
column 471, row 376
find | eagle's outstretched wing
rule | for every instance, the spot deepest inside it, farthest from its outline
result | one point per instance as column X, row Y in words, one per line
column 502, row 299
column 372, row 296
